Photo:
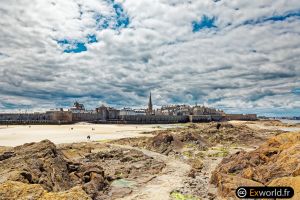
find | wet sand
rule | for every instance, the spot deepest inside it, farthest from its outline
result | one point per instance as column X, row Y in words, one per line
column 15, row 135
column 261, row 125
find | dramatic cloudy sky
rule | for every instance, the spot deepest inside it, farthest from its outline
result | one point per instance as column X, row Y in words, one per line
column 240, row 56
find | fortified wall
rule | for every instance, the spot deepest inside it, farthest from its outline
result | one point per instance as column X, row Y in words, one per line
column 153, row 119
column 61, row 116
column 20, row 118
column 245, row 117
column 67, row 117
column 205, row 118
column 86, row 117
column 50, row 117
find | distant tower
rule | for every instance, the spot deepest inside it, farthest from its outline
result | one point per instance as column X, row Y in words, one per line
column 150, row 111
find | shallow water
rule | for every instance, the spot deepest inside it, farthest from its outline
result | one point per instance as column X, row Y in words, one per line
column 123, row 183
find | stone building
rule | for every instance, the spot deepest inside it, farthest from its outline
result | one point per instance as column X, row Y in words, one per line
column 60, row 116
column 126, row 111
column 77, row 108
column 174, row 110
column 140, row 111
column 202, row 110
column 131, row 112
column 103, row 111
column 108, row 112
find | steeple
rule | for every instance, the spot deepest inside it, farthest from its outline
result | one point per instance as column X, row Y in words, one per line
column 150, row 104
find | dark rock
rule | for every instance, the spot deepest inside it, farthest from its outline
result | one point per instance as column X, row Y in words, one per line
column 7, row 155
column 27, row 176
column 72, row 167
column 192, row 173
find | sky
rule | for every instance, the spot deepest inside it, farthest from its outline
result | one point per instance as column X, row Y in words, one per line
column 239, row 56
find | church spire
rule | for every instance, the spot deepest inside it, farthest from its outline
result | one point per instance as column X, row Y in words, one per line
column 150, row 104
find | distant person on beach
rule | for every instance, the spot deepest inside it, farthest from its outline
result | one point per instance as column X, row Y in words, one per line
column 88, row 137
column 218, row 126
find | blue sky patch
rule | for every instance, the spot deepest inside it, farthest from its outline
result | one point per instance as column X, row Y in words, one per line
column 102, row 22
column 296, row 91
column 72, row 46
column 92, row 39
column 205, row 22
column 122, row 19
column 118, row 20
column 274, row 18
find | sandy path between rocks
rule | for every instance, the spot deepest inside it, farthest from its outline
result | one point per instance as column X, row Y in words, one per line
column 160, row 187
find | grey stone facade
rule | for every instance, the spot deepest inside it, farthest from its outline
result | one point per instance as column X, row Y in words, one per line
column 104, row 114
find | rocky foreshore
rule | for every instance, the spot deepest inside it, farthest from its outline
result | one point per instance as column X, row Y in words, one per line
column 274, row 163
column 76, row 171
column 198, row 161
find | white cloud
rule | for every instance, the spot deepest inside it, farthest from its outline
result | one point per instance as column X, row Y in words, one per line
column 250, row 61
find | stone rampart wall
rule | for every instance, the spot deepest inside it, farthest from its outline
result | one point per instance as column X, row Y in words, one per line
column 153, row 119
column 86, row 117
column 60, row 117
column 246, row 117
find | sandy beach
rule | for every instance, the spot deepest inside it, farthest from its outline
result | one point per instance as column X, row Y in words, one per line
column 14, row 135
column 261, row 125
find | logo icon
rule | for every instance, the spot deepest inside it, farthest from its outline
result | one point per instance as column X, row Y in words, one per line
column 241, row 193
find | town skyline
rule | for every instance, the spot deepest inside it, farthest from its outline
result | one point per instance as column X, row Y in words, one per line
column 142, row 107
column 105, row 114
